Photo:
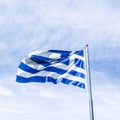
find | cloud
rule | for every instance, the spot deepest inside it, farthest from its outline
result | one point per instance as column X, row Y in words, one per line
column 106, row 96
column 8, row 110
column 33, row 23
column 5, row 92
column 27, row 26
column 2, row 45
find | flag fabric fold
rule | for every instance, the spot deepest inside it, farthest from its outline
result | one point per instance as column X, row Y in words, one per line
column 53, row 66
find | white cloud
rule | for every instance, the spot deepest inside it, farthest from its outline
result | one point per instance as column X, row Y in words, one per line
column 106, row 102
column 105, row 96
column 63, row 24
column 9, row 110
column 3, row 46
column 5, row 91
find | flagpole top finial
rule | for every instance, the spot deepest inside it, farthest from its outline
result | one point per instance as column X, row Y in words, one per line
column 86, row 46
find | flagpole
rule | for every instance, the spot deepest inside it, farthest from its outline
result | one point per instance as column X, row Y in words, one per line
column 89, row 83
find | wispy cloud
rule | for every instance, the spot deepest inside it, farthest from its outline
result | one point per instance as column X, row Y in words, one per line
column 5, row 91
column 31, row 25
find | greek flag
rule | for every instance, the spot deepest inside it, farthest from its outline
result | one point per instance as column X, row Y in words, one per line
column 54, row 66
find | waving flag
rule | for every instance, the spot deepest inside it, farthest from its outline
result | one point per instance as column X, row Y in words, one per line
column 53, row 66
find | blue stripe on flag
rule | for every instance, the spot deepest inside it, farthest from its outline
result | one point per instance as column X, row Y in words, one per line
column 79, row 63
column 48, row 79
column 36, row 79
column 43, row 60
column 80, row 53
column 27, row 68
column 75, row 83
column 75, row 73
column 54, row 69
column 32, row 70
column 65, row 61
column 63, row 54
column 40, row 59
column 81, row 85
column 66, row 81
column 78, row 84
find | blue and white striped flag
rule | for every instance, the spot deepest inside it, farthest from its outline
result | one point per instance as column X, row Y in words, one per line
column 53, row 66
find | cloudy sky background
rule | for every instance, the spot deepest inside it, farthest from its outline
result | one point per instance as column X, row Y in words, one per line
column 29, row 25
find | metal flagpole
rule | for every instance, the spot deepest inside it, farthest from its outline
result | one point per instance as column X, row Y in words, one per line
column 89, row 83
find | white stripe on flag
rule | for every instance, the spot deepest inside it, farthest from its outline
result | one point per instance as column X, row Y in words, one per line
column 47, row 54
column 41, row 73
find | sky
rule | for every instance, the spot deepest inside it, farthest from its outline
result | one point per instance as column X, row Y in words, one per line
column 30, row 25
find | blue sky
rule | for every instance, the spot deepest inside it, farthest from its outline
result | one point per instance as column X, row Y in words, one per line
column 29, row 25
